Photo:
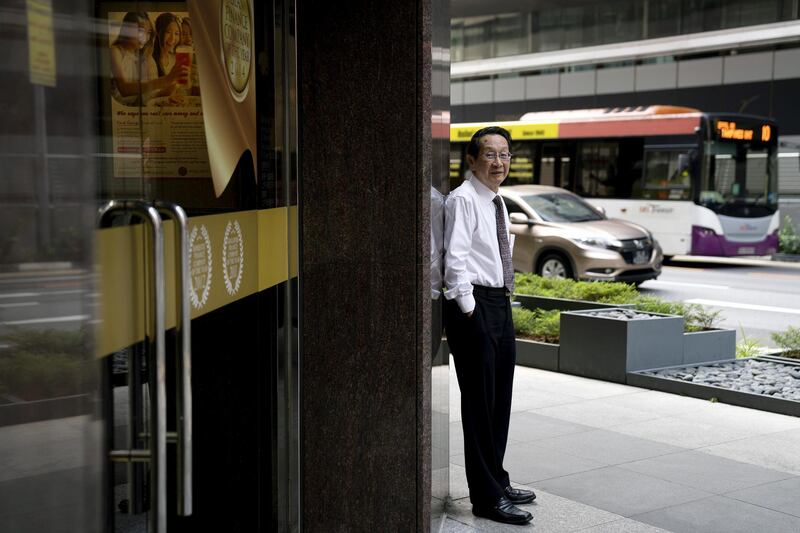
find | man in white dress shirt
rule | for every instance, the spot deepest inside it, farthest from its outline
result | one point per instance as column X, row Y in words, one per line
column 479, row 280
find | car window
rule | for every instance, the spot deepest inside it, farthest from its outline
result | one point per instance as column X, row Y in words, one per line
column 561, row 207
column 513, row 207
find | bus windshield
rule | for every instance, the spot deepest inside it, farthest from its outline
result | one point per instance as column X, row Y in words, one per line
column 741, row 181
column 562, row 207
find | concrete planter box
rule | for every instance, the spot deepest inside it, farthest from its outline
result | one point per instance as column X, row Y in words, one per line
column 562, row 304
column 608, row 348
column 535, row 354
column 711, row 345
column 706, row 392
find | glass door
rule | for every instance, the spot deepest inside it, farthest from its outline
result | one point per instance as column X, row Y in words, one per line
column 148, row 280
column 196, row 186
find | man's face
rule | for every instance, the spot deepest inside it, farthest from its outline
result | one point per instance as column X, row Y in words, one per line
column 488, row 167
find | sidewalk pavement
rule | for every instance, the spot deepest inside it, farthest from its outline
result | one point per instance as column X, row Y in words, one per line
column 607, row 458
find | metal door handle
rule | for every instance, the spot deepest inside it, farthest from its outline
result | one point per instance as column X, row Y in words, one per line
column 156, row 453
column 183, row 394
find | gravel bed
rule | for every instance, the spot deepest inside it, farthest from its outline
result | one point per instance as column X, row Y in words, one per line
column 620, row 314
column 768, row 378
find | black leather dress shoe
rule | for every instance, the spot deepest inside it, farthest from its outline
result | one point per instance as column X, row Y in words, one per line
column 519, row 496
column 504, row 511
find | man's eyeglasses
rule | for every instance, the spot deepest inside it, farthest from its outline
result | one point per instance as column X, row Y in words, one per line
column 491, row 156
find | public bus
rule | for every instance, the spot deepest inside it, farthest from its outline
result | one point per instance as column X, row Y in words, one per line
column 702, row 183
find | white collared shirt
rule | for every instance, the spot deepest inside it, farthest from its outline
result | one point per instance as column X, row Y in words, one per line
column 472, row 254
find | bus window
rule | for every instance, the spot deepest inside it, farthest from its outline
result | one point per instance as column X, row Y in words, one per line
column 599, row 172
column 741, row 180
column 666, row 176
column 555, row 165
column 521, row 171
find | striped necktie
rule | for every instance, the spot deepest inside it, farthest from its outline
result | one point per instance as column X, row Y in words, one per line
column 505, row 249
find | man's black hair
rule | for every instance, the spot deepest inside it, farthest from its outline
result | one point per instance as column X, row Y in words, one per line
column 474, row 148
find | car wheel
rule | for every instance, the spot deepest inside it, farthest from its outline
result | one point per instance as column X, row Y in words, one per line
column 554, row 266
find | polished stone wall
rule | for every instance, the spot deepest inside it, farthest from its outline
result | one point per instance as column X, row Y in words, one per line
column 364, row 93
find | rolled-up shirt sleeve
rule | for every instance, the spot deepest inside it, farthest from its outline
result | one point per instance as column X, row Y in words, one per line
column 459, row 224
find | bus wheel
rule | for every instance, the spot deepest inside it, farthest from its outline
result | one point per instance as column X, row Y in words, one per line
column 554, row 266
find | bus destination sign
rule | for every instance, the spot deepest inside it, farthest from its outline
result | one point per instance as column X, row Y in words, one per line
column 727, row 129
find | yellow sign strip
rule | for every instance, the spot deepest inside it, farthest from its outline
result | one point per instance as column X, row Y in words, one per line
column 231, row 256
column 273, row 252
column 518, row 131
column 41, row 43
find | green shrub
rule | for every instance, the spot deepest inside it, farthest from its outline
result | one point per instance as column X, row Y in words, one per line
column 789, row 341
column 702, row 317
column 696, row 317
column 45, row 363
column 605, row 292
column 747, row 346
column 788, row 239
column 590, row 291
column 537, row 325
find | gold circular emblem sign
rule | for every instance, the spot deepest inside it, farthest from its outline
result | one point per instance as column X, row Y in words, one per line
column 236, row 30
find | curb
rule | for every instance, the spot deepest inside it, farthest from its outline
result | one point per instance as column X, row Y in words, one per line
column 763, row 261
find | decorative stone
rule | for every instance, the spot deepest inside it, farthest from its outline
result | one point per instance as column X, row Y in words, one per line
column 768, row 378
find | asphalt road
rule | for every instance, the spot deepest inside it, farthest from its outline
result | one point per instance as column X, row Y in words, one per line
column 58, row 300
column 756, row 298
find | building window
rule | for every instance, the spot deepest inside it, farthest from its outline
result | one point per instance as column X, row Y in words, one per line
column 510, row 34
column 457, row 41
column 663, row 19
column 477, row 38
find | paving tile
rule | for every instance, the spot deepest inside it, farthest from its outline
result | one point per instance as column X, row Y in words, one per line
column 453, row 526
column 719, row 514
column 527, row 397
column 783, row 496
column 527, row 426
column 621, row 491
column 623, row 525
column 607, row 447
column 792, row 436
column 768, row 451
column 528, row 393
column 528, row 463
column 682, row 432
column 458, row 481
column 662, row 403
column 752, row 420
column 456, row 438
column 551, row 514
column 704, row 471
column 596, row 413
column 570, row 385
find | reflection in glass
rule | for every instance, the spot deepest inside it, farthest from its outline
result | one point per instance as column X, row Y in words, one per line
column 49, row 438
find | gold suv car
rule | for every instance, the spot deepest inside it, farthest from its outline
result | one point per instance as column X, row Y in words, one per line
column 558, row 234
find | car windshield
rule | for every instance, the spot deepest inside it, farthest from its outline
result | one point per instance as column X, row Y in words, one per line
column 562, row 207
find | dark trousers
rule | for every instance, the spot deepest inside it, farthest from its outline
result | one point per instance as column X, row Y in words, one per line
column 484, row 354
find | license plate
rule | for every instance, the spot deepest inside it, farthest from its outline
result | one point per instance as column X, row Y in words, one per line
column 747, row 250
column 640, row 256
